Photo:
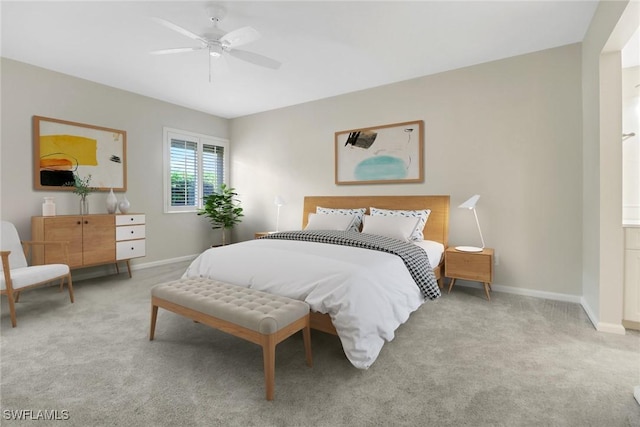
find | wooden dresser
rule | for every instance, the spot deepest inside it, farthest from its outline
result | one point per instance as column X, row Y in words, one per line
column 93, row 239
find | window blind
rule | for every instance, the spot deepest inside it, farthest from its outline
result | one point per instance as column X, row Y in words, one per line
column 184, row 172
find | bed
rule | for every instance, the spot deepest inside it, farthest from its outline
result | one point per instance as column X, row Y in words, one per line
column 359, row 294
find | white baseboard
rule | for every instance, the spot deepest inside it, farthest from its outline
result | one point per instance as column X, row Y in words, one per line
column 599, row 326
column 612, row 328
column 523, row 291
column 590, row 313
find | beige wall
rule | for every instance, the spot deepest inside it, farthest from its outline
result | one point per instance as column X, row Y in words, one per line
column 29, row 91
column 509, row 130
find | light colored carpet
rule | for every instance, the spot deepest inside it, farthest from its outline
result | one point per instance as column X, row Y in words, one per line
column 459, row 360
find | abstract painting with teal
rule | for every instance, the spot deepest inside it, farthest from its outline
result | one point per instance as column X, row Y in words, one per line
column 380, row 167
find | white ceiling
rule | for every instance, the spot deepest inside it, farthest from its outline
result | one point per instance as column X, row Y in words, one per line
column 327, row 48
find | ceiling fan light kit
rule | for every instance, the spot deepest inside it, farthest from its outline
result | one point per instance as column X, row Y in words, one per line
column 218, row 43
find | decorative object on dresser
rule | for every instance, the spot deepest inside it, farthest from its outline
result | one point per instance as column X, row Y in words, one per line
column 223, row 209
column 471, row 204
column 82, row 188
column 279, row 202
column 96, row 239
column 17, row 275
column 124, row 205
column 48, row 207
column 112, row 202
column 476, row 266
column 380, row 154
column 63, row 150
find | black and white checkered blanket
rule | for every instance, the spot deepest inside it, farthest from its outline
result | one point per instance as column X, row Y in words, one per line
column 414, row 257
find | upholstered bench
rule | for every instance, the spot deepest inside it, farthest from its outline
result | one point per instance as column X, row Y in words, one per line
column 256, row 316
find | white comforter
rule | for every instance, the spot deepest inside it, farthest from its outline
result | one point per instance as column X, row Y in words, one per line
column 367, row 293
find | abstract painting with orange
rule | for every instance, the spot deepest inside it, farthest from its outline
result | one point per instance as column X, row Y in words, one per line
column 65, row 150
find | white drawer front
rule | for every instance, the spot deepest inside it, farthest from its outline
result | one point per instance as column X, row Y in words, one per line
column 130, row 232
column 130, row 249
column 129, row 219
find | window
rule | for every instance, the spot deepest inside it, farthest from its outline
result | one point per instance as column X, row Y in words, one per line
column 195, row 166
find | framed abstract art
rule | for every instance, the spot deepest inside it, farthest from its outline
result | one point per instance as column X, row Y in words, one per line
column 382, row 154
column 63, row 150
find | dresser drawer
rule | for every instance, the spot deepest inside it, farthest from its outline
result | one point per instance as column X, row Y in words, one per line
column 130, row 219
column 130, row 232
column 130, row 249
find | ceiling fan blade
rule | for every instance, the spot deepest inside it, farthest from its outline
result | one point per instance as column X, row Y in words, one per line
column 255, row 58
column 240, row 36
column 175, row 50
column 180, row 30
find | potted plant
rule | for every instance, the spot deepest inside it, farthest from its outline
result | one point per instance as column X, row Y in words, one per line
column 223, row 209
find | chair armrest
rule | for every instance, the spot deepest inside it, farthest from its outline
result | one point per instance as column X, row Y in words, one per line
column 5, row 259
column 5, row 266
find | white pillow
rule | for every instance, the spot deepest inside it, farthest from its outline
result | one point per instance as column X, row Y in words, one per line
column 422, row 214
column 396, row 227
column 329, row 222
column 358, row 212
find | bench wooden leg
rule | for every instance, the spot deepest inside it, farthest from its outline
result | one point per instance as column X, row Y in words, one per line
column 154, row 316
column 269, row 356
column 306, row 336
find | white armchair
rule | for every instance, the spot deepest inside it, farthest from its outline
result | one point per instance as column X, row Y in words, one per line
column 18, row 276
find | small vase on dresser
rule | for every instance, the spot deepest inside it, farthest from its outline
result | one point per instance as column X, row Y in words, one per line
column 124, row 205
column 48, row 207
column 84, row 206
column 112, row 202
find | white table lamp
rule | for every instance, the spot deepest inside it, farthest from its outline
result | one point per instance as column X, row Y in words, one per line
column 279, row 202
column 471, row 204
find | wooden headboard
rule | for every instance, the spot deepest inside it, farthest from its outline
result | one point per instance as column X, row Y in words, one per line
column 437, row 227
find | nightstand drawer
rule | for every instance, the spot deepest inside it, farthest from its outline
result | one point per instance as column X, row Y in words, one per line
column 470, row 266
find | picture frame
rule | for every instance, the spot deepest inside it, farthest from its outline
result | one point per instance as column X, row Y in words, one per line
column 64, row 149
column 385, row 154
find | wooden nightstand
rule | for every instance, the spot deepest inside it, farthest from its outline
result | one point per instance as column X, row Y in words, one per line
column 260, row 234
column 476, row 266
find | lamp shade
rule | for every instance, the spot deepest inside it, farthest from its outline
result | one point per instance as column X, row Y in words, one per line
column 471, row 202
column 279, row 201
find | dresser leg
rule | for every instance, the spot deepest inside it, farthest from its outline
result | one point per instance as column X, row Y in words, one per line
column 451, row 284
column 487, row 287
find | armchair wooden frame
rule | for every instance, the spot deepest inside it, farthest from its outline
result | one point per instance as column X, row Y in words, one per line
column 12, row 294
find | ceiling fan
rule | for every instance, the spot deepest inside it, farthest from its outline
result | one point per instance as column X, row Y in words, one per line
column 218, row 42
